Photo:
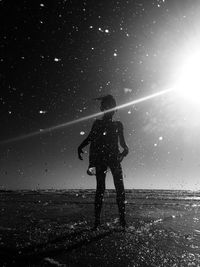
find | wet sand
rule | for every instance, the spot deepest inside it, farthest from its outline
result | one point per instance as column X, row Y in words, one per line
column 53, row 228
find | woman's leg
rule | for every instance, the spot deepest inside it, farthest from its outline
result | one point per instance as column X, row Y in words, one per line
column 116, row 170
column 100, row 177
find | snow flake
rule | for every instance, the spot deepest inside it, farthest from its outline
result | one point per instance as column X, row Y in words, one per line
column 57, row 59
column 107, row 31
column 42, row 111
column 127, row 90
column 82, row 133
column 115, row 54
column 160, row 138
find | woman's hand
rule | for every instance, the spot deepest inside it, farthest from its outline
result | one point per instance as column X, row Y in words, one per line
column 120, row 157
column 80, row 151
column 123, row 154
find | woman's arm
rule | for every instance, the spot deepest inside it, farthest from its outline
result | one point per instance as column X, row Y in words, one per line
column 81, row 146
column 122, row 140
column 87, row 140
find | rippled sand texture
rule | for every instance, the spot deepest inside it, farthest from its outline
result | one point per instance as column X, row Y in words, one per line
column 53, row 228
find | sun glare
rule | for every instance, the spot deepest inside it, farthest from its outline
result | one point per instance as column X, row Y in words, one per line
column 188, row 85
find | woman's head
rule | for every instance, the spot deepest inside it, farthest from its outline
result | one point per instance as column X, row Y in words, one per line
column 107, row 102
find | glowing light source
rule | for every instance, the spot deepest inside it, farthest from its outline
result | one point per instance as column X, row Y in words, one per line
column 188, row 84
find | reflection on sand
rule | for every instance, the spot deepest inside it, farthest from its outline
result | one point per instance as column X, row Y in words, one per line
column 55, row 226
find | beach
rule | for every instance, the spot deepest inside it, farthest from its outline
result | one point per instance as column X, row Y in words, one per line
column 53, row 228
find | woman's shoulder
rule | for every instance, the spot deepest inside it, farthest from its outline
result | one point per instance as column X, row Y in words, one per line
column 97, row 123
column 118, row 124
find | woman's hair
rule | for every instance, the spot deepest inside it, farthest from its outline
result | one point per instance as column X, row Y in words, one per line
column 107, row 102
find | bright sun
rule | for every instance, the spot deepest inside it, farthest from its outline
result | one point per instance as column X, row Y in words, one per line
column 188, row 84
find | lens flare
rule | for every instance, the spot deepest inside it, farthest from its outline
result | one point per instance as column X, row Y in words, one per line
column 188, row 84
column 56, row 127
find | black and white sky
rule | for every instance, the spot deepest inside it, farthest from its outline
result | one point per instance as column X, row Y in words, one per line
column 57, row 56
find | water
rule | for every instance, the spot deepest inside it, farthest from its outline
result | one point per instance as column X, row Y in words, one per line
column 163, row 228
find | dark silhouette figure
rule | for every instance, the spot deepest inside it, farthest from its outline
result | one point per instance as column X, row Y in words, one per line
column 104, row 153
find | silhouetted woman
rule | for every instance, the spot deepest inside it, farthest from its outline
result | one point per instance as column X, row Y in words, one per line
column 104, row 138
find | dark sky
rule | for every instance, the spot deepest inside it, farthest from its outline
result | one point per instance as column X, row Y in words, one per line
column 57, row 56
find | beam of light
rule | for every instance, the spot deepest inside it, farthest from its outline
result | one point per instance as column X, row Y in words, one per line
column 62, row 125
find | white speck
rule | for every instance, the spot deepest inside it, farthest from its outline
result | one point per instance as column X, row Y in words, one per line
column 9, row 112
column 42, row 111
column 115, row 54
column 42, row 5
column 22, row 57
column 106, row 31
column 160, row 138
column 100, row 29
column 127, row 90
column 129, row 112
column 127, row 34
column 92, row 48
column 104, row 133
column 91, row 27
column 41, row 22
column 82, row 133
column 155, row 144
column 57, row 59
